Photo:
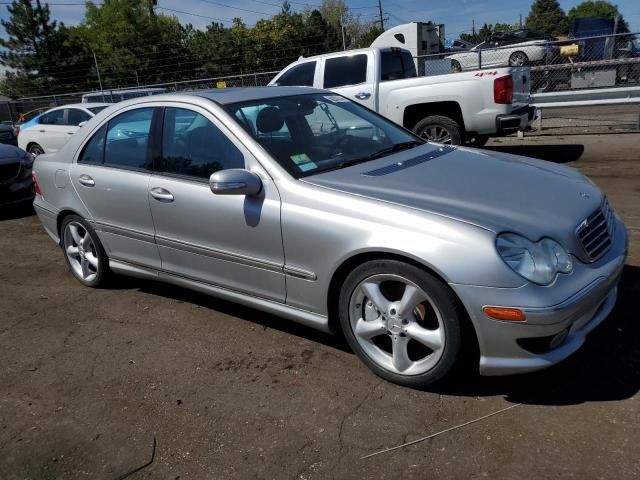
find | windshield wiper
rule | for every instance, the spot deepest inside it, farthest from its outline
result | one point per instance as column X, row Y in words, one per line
column 380, row 153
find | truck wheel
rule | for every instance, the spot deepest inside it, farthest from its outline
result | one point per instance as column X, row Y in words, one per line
column 439, row 129
column 455, row 66
column 518, row 59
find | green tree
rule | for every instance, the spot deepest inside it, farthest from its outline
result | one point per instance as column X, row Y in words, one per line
column 598, row 8
column 32, row 48
column 546, row 16
column 319, row 35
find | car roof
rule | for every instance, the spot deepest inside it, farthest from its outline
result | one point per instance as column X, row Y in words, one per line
column 84, row 106
column 225, row 96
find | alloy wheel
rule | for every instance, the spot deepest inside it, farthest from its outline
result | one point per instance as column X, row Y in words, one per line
column 81, row 251
column 36, row 150
column 437, row 134
column 397, row 324
column 518, row 59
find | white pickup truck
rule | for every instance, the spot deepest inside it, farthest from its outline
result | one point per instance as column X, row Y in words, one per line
column 454, row 108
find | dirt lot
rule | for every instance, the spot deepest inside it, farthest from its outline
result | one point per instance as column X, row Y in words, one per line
column 90, row 377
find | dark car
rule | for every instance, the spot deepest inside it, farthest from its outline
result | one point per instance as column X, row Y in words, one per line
column 16, row 185
column 518, row 36
column 8, row 134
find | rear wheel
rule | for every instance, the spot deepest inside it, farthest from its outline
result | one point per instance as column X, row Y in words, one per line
column 439, row 129
column 518, row 59
column 402, row 322
column 455, row 66
column 83, row 251
column 35, row 149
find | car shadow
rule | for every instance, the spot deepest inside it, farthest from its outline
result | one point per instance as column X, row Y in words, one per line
column 552, row 153
column 16, row 211
column 606, row 368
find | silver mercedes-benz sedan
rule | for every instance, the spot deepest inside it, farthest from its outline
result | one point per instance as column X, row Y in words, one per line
column 302, row 203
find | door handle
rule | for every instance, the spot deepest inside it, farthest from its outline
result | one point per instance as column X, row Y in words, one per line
column 70, row 133
column 161, row 194
column 86, row 180
column 363, row 95
column 41, row 131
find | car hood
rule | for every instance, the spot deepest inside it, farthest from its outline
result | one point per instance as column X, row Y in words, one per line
column 496, row 191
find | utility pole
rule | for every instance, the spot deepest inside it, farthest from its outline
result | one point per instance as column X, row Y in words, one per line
column 520, row 20
column 473, row 26
column 381, row 18
column 344, row 44
column 98, row 71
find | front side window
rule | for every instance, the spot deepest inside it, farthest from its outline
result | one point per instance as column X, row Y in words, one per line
column 127, row 139
column 299, row 76
column 344, row 71
column 55, row 117
column 75, row 117
column 192, row 146
column 314, row 133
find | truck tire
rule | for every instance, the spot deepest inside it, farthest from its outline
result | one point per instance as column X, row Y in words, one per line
column 439, row 129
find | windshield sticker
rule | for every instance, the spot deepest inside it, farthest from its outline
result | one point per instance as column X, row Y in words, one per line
column 335, row 98
column 303, row 162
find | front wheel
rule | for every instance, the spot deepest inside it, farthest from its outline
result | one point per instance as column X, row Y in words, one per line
column 402, row 322
column 439, row 129
column 35, row 149
column 455, row 66
column 518, row 59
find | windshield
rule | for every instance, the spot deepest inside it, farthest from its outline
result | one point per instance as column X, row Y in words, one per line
column 314, row 133
column 95, row 110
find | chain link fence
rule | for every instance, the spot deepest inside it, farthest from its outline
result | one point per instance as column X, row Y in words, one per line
column 579, row 63
column 25, row 108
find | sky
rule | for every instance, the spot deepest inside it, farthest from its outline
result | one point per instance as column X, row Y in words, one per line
column 457, row 15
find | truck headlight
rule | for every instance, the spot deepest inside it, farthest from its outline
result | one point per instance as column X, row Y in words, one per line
column 538, row 262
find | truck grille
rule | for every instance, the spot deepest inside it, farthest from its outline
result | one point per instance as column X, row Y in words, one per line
column 9, row 171
column 595, row 232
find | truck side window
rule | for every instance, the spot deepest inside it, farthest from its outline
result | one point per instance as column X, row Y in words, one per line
column 343, row 71
column 299, row 76
column 397, row 65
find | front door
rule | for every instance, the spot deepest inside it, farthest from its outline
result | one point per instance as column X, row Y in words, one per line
column 111, row 177
column 231, row 241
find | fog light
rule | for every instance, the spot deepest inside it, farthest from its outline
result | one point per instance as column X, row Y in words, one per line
column 504, row 313
column 559, row 339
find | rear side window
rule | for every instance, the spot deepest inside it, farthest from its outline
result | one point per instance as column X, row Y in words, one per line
column 299, row 76
column 343, row 71
column 93, row 151
column 397, row 65
column 127, row 139
column 52, row 118
column 192, row 146
column 75, row 117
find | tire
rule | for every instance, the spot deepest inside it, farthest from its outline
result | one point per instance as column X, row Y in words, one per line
column 439, row 129
column 35, row 149
column 455, row 66
column 89, row 264
column 477, row 141
column 518, row 59
column 372, row 332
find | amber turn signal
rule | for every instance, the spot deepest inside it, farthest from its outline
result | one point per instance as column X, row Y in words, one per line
column 504, row 313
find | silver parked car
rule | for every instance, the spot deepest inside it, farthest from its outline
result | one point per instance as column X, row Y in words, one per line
column 299, row 202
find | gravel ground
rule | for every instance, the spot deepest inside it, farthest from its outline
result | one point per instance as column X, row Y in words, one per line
column 90, row 378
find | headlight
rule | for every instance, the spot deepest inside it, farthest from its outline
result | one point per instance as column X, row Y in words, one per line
column 537, row 262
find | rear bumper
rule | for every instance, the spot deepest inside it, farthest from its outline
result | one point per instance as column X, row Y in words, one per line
column 518, row 120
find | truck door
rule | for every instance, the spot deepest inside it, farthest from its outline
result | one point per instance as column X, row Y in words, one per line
column 352, row 76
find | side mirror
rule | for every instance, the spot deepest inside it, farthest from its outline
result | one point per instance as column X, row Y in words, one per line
column 235, row 181
column 82, row 123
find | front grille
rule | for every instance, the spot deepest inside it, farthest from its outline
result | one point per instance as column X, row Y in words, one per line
column 595, row 232
column 9, row 171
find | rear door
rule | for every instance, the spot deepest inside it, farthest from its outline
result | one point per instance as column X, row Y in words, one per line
column 111, row 176
column 352, row 76
column 51, row 131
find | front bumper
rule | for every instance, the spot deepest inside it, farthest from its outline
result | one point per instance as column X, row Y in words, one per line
column 567, row 310
column 517, row 120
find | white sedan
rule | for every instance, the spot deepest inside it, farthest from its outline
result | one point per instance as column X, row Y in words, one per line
column 49, row 131
column 488, row 54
